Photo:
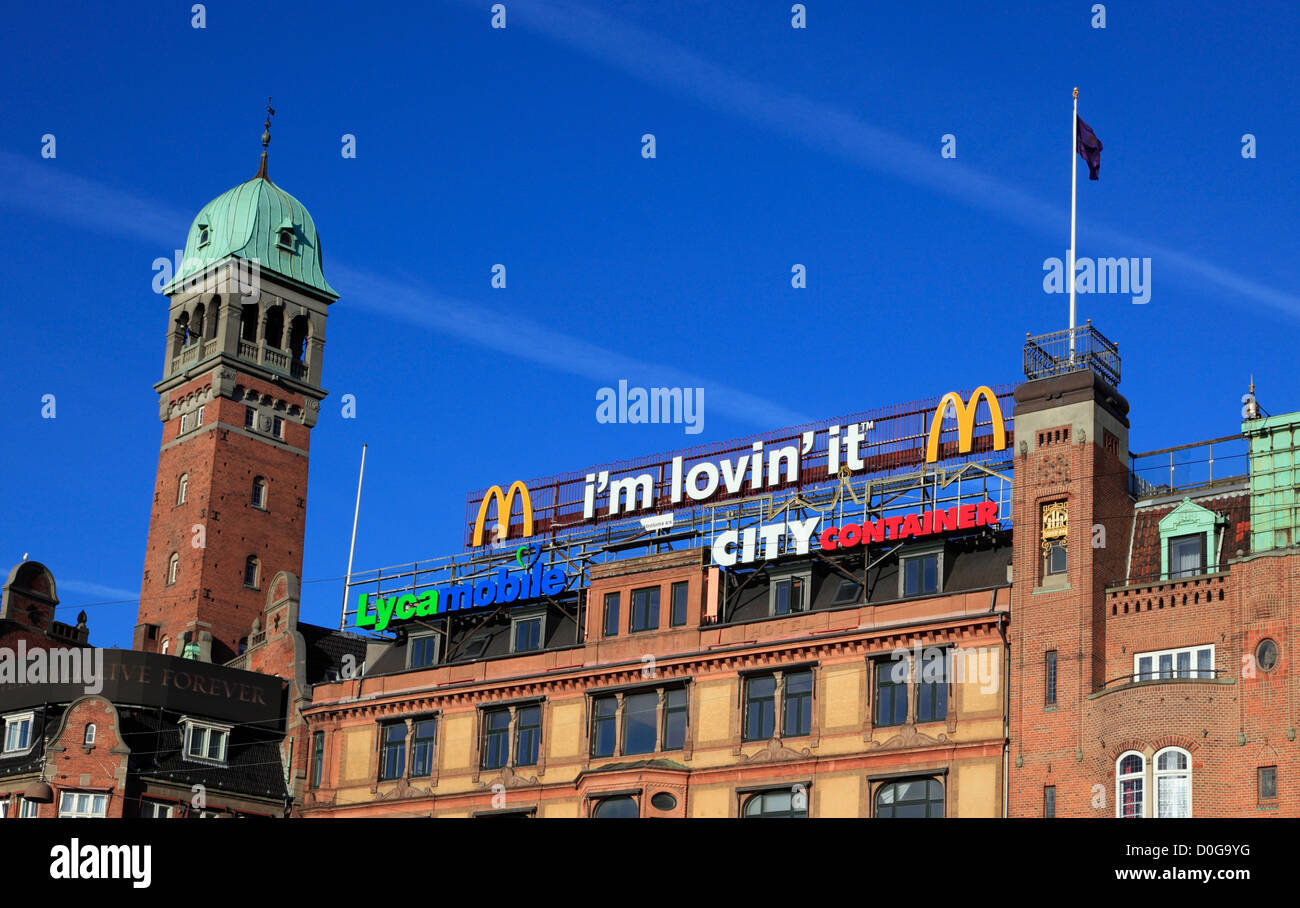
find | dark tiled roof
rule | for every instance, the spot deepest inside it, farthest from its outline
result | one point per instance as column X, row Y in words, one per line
column 253, row 765
column 326, row 649
column 1144, row 565
column 31, row 760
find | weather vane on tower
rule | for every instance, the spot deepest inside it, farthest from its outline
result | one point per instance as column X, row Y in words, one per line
column 266, row 138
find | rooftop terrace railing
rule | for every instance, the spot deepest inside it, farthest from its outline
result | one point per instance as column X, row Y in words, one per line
column 1071, row 350
column 1184, row 468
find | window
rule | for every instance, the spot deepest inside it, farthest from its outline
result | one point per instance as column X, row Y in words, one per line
column 1187, row 556
column 28, row 809
column 496, row 738
column 156, row 810
column 788, row 595
column 1049, row 678
column 848, row 591
column 645, row 609
column 259, row 493
column 639, row 726
column 250, row 572
column 910, row 798
column 286, row 238
column 780, row 802
column 1188, row 662
column 423, row 650
column 621, row 807
column 198, row 420
column 653, row 720
column 317, row 758
column 677, row 617
column 1130, row 776
column 891, row 692
column 1173, row 783
column 4, row 808
column 18, row 732
column 206, row 743
column 277, row 427
column 250, row 418
column 204, row 234
column 182, row 486
column 424, row 731
column 173, row 568
column 392, row 758
column 1049, row 801
column 185, row 424
column 921, row 574
column 797, row 708
column 1266, row 655
column 1056, row 561
column 166, row 645
column 82, row 804
column 760, row 708
column 88, row 738
column 932, row 686
column 611, row 614
column 526, row 634
column 604, row 723
column 528, row 735
column 1267, row 783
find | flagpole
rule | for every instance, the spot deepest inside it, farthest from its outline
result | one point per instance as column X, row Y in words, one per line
column 1074, row 182
column 347, row 581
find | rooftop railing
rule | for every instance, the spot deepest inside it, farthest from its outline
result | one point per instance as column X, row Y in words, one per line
column 1072, row 350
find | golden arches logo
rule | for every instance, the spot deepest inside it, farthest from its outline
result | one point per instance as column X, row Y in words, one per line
column 966, row 422
column 505, row 504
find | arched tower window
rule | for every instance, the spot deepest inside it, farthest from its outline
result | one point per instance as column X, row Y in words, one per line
column 251, row 568
column 299, row 329
column 182, row 333
column 90, row 735
column 182, row 486
column 214, row 310
column 274, row 326
column 173, row 568
column 259, row 493
column 248, row 322
column 166, row 645
column 196, row 324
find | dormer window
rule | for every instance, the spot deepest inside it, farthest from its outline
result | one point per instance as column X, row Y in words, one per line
column 206, row 743
column 204, row 235
column 286, row 238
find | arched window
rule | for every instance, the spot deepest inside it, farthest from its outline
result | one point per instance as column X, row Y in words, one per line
column 182, row 333
column 182, row 486
column 781, row 802
column 299, row 328
column 248, row 322
column 250, row 571
column 196, row 323
column 259, row 493
column 1173, row 782
column 90, row 735
column 910, row 798
column 166, row 645
column 173, row 568
column 621, row 807
column 274, row 326
column 214, row 310
column 1130, row 782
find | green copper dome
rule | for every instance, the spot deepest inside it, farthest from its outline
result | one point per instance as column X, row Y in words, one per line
column 257, row 221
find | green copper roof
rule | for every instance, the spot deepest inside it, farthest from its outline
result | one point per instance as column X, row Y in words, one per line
column 246, row 221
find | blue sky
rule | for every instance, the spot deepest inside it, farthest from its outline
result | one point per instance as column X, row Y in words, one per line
column 522, row 146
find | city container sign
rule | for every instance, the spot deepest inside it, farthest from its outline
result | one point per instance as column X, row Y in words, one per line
column 504, row 587
column 899, row 438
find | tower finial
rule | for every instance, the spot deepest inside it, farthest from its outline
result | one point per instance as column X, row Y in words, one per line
column 266, row 138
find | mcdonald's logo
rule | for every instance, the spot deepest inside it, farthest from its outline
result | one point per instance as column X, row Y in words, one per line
column 966, row 422
column 505, row 504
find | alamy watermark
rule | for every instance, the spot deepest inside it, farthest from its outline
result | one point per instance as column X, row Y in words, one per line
column 82, row 665
column 651, row 405
column 981, row 665
column 243, row 277
column 1104, row 275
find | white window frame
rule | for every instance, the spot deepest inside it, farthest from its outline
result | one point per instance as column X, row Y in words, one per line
column 1140, row 775
column 98, row 804
column 1159, row 774
column 4, row 808
column 88, row 737
column 173, row 567
column 159, row 810
column 28, row 809
column 190, row 727
column 1155, row 671
column 182, row 488
column 29, row 718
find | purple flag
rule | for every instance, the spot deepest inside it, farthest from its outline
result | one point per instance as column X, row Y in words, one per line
column 1089, row 146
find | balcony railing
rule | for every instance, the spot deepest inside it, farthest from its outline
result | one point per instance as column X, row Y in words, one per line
column 272, row 358
column 1071, row 350
column 1198, row 465
column 1163, row 677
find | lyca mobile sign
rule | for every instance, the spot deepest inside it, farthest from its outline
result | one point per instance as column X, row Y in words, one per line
column 535, row 580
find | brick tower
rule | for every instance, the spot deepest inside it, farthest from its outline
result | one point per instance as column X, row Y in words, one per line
column 1073, row 514
column 240, row 392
